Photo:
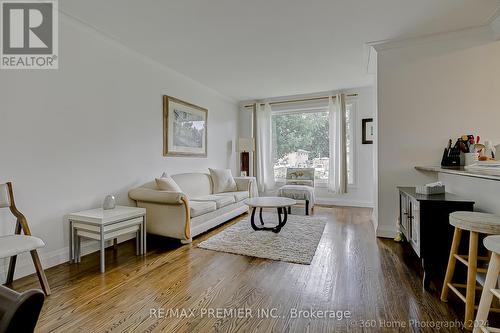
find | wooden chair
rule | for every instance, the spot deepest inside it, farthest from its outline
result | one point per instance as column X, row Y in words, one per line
column 19, row 312
column 12, row 245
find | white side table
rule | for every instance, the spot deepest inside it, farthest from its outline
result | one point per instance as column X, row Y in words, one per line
column 103, row 225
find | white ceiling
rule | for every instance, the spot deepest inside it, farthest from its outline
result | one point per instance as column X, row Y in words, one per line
column 248, row 49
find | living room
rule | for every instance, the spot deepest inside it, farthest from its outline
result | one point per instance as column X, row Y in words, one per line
column 249, row 166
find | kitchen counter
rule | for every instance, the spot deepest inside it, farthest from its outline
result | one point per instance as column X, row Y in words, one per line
column 458, row 172
column 482, row 188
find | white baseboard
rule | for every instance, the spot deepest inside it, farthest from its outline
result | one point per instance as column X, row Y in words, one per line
column 24, row 265
column 343, row 202
column 384, row 231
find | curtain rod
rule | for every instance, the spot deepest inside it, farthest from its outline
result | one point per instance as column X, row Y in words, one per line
column 299, row 100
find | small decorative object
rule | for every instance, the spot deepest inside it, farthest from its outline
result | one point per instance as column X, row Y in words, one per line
column 368, row 131
column 243, row 174
column 184, row 128
column 109, row 202
column 245, row 146
column 432, row 188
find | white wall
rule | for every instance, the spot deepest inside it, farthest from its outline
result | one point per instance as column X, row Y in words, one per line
column 362, row 193
column 429, row 91
column 69, row 137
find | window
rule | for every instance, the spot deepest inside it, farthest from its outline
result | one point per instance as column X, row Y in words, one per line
column 301, row 140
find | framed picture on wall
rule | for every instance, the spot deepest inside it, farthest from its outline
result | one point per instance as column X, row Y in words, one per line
column 368, row 131
column 184, row 128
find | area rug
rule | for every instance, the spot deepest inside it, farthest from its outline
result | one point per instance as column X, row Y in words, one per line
column 296, row 242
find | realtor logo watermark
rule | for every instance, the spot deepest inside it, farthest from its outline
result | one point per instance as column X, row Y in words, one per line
column 29, row 35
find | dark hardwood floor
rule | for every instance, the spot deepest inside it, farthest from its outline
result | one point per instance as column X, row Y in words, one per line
column 352, row 271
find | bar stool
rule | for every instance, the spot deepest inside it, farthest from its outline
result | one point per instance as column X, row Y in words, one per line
column 475, row 223
column 492, row 243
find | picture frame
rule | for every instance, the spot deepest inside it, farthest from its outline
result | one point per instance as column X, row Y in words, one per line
column 184, row 128
column 368, row 131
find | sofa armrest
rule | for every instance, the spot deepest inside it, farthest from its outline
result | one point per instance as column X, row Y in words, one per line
column 156, row 196
column 243, row 183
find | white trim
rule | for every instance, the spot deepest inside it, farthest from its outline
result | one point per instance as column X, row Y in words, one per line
column 386, row 231
column 402, row 42
column 483, row 32
column 370, row 59
column 25, row 266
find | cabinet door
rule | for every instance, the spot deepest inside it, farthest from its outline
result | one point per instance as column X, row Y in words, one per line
column 414, row 219
column 404, row 208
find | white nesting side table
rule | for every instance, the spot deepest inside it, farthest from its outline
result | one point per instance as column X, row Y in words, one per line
column 103, row 225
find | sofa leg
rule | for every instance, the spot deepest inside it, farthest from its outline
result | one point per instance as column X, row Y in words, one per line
column 186, row 241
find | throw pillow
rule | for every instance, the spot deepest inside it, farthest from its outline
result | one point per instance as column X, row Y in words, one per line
column 223, row 180
column 166, row 183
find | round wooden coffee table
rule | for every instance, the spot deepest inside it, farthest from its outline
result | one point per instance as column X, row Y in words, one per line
column 269, row 202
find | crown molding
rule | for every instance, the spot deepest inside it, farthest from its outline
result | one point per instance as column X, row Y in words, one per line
column 489, row 30
column 478, row 32
column 370, row 59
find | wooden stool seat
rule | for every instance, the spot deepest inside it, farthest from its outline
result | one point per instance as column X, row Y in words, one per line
column 492, row 243
column 478, row 222
column 475, row 223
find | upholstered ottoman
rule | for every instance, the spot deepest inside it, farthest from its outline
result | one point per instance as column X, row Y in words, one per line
column 298, row 192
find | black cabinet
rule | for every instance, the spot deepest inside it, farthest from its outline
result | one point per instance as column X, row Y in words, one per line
column 424, row 222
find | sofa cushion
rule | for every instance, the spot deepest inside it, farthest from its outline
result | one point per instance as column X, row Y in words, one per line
column 223, row 180
column 220, row 200
column 197, row 208
column 194, row 184
column 237, row 195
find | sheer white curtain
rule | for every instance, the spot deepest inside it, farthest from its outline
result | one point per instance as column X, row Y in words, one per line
column 337, row 177
column 263, row 136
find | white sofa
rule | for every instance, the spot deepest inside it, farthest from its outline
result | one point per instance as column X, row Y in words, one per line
column 196, row 209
